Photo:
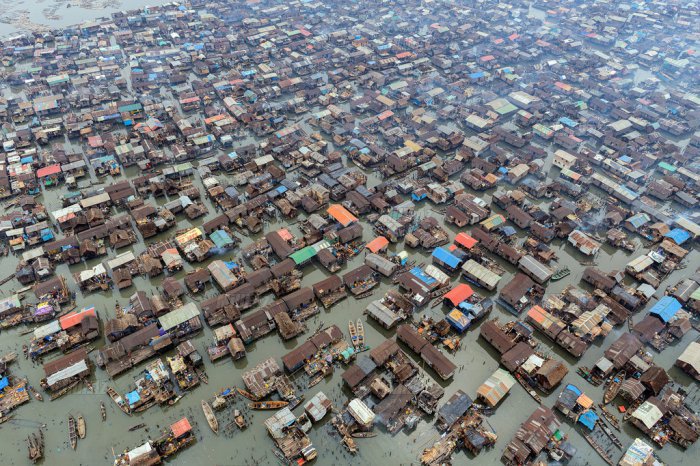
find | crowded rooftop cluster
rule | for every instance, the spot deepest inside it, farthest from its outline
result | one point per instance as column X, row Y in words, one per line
column 376, row 217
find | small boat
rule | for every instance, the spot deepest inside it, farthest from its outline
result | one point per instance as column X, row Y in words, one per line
column 317, row 380
column 172, row 401
column 360, row 334
column 610, row 417
column 118, row 400
column 363, row 434
column 239, row 419
column 268, row 404
column 606, row 430
column 137, row 427
column 600, row 450
column 35, row 446
column 218, row 403
column 530, row 391
column 72, row 433
column 5, row 417
column 211, row 418
column 35, row 393
column 353, row 334
column 103, row 411
column 7, row 358
column 81, row 426
column 246, row 394
column 613, row 387
column 89, row 386
column 561, row 273
column 25, row 350
column 202, row 375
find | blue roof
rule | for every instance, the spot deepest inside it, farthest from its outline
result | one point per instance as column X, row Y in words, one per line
column 427, row 279
column 4, row 382
column 666, row 308
column 678, row 236
column 588, row 419
column 639, row 219
column 574, row 389
column 446, row 257
column 133, row 397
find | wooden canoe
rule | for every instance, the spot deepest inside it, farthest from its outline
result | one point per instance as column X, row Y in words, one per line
column 613, row 387
column 211, row 417
column 81, row 427
column 72, row 433
column 118, row 400
column 246, row 394
column 268, row 404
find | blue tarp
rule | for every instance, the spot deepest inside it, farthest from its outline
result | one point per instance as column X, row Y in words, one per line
column 446, row 257
column 231, row 265
column 666, row 308
column 133, row 397
column 588, row 419
column 574, row 389
column 427, row 279
column 4, row 382
column 678, row 236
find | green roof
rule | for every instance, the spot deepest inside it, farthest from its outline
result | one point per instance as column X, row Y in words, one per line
column 303, row 255
column 667, row 166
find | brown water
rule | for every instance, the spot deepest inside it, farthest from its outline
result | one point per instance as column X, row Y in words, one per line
column 476, row 360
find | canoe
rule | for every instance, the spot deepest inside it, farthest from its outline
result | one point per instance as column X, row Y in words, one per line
column 360, row 334
column 613, row 387
column 561, row 273
column 81, row 427
column 103, row 411
column 211, row 418
column 137, row 427
column 353, row 333
column 246, row 394
column 35, row 393
column 118, row 400
column 72, row 433
column 267, row 404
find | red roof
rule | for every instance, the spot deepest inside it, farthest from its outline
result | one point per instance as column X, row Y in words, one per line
column 48, row 171
column 181, row 427
column 341, row 214
column 465, row 240
column 459, row 293
column 377, row 244
column 74, row 318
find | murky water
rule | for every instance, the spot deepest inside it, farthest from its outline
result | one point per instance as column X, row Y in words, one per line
column 477, row 360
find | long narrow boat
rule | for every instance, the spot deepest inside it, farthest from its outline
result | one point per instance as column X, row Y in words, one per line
column 268, row 404
column 353, row 334
column 246, row 394
column 72, row 433
column 81, row 426
column 613, row 387
column 211, row 417
column 7, row 358
column 610, row 417
column 530, row 391
column 118, row 400
column 360, row 334
column 598, row 449
column 561, row 273
column 103, row 411
column 35, row 393
column 137, row 427
column 604, row 427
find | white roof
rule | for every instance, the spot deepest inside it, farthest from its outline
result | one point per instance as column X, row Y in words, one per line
column 359, row 410
column 648, row 413
column 48, row 329
column 97, row 270
column 121, row 260
column 139, row 451
column 66, row 373
column 94, row 200
column 691, row 355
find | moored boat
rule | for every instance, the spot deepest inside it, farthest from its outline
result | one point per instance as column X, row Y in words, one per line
column 561, row 273
column 35, row 393
column 246, row 394
column 137, row 427
column 530, row 391
column 103, row 411
column 118, row 400
column 267, row 404
column 613, row 387
column 81, row 426
column 72, row 432
column 353, row 334
column 239, row 419
column 211, row 417
column 360, row 334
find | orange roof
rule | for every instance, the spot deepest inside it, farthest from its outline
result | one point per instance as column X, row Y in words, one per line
column 341, row 214
column 584, row 401
column 537, row 314
column 74, row 318
column 181, row 427
column 285, row 234
column 459, row 293
column 465, row 240
column 377, row 244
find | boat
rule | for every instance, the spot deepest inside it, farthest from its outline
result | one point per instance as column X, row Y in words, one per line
column 561, row 273
column 268, row 404
column 353, row 334
column 530, row 391
column 118, row 400
column 137, row 427
column 202, row 375
column 7, row 358
column 613, row 387
column 246, row 394
column 72, row 433
column 601, row 452
column 172, row 401
column 317, row 380
column 81, row 427
column 609, row 433
column 360, row 334
column 5, row 417
column 211, row 418
column 103, row 411
column 218, row 403
column 35, row 446
column 35, row 393
column 239, row 419
column 89, row 386
column 610, row 417
column 363, row 434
